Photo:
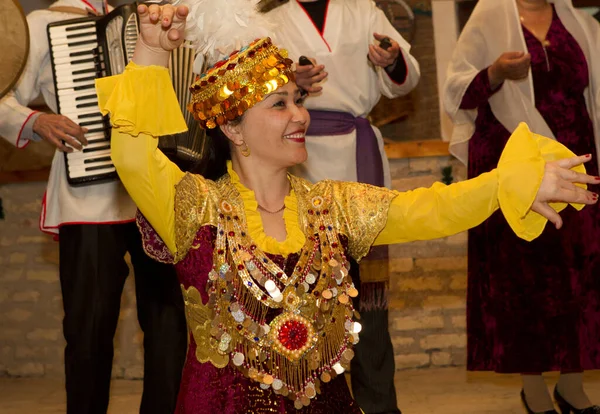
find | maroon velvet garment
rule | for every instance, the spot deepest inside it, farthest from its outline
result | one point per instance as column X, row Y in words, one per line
column 535, row 307
column 206, row 389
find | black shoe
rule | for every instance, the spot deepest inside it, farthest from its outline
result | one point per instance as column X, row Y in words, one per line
column 530, row 411
column 566, row 408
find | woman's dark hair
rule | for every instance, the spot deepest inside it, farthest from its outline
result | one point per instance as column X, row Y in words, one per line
column 213, row 164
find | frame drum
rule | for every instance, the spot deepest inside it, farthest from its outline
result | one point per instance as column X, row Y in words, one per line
column 14, row 36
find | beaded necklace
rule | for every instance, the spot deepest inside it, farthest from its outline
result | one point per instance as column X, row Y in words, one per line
column 310, row 338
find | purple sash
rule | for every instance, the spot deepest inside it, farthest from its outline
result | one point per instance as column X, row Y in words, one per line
column 369, row 166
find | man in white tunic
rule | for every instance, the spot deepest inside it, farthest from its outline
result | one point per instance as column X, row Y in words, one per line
column 349, row 74
column 96, row 228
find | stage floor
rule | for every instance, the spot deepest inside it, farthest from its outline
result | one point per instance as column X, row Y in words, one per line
column 431, row 391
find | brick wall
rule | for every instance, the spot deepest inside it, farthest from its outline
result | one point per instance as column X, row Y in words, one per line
column 428, row 282
column 427, row 290
column 31, row 341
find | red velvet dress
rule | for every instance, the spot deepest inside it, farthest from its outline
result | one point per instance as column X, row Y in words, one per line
column 206, row 389
column 535, row 307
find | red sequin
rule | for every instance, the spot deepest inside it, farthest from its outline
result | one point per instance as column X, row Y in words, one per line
column 293, row 335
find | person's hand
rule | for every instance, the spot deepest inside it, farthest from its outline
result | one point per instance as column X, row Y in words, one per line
column 509, row 66
column 558, row 185
column 381, row 57
column 58, row 128
column 307, row 76
column 161, row 30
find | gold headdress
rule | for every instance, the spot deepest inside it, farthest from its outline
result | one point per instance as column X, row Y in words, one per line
column 247, row 69
column 238, row 82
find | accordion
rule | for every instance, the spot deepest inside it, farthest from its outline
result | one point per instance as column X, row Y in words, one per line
column 187, row 148
column 84, row 49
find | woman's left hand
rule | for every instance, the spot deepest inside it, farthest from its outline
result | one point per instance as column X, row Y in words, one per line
column 382, row 57
column 161, row 30
column 558, row 185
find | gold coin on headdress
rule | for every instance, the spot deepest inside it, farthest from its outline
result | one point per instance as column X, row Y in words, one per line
column 271, row 61
column 343, row 299
column 327, row 294
column 305, row 400
column 325, row 377
column 310, row 392
column 298, row 405
column 352, row 292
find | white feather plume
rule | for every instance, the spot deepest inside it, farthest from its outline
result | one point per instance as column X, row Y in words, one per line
column 218, row 27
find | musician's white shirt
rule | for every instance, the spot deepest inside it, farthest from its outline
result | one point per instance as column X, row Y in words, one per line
column 353, row 84
column 62, row 204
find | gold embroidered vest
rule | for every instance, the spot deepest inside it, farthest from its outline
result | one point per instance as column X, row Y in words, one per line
column 310, row 340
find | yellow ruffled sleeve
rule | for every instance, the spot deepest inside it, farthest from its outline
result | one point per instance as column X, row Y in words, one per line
column 141, row 100
column 443, row 210
column 142, row 106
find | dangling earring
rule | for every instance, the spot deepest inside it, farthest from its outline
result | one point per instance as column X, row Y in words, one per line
column 245, row 150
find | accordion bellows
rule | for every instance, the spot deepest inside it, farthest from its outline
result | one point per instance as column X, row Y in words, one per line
column 236, row 83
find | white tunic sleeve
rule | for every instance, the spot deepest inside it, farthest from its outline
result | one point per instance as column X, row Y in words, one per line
column 14, row 112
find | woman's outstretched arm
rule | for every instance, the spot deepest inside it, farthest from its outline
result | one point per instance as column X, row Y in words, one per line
column 142, row 107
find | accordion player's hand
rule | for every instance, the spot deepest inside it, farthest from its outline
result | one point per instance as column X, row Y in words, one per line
column 161, row 30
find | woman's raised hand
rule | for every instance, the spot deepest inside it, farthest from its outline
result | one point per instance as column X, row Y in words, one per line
column 161, row 30
column 558, row 185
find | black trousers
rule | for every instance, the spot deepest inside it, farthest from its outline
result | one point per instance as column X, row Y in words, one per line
column 373, row 366
column 92, row 275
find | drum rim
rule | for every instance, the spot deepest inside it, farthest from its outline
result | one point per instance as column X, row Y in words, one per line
column 27, row 38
